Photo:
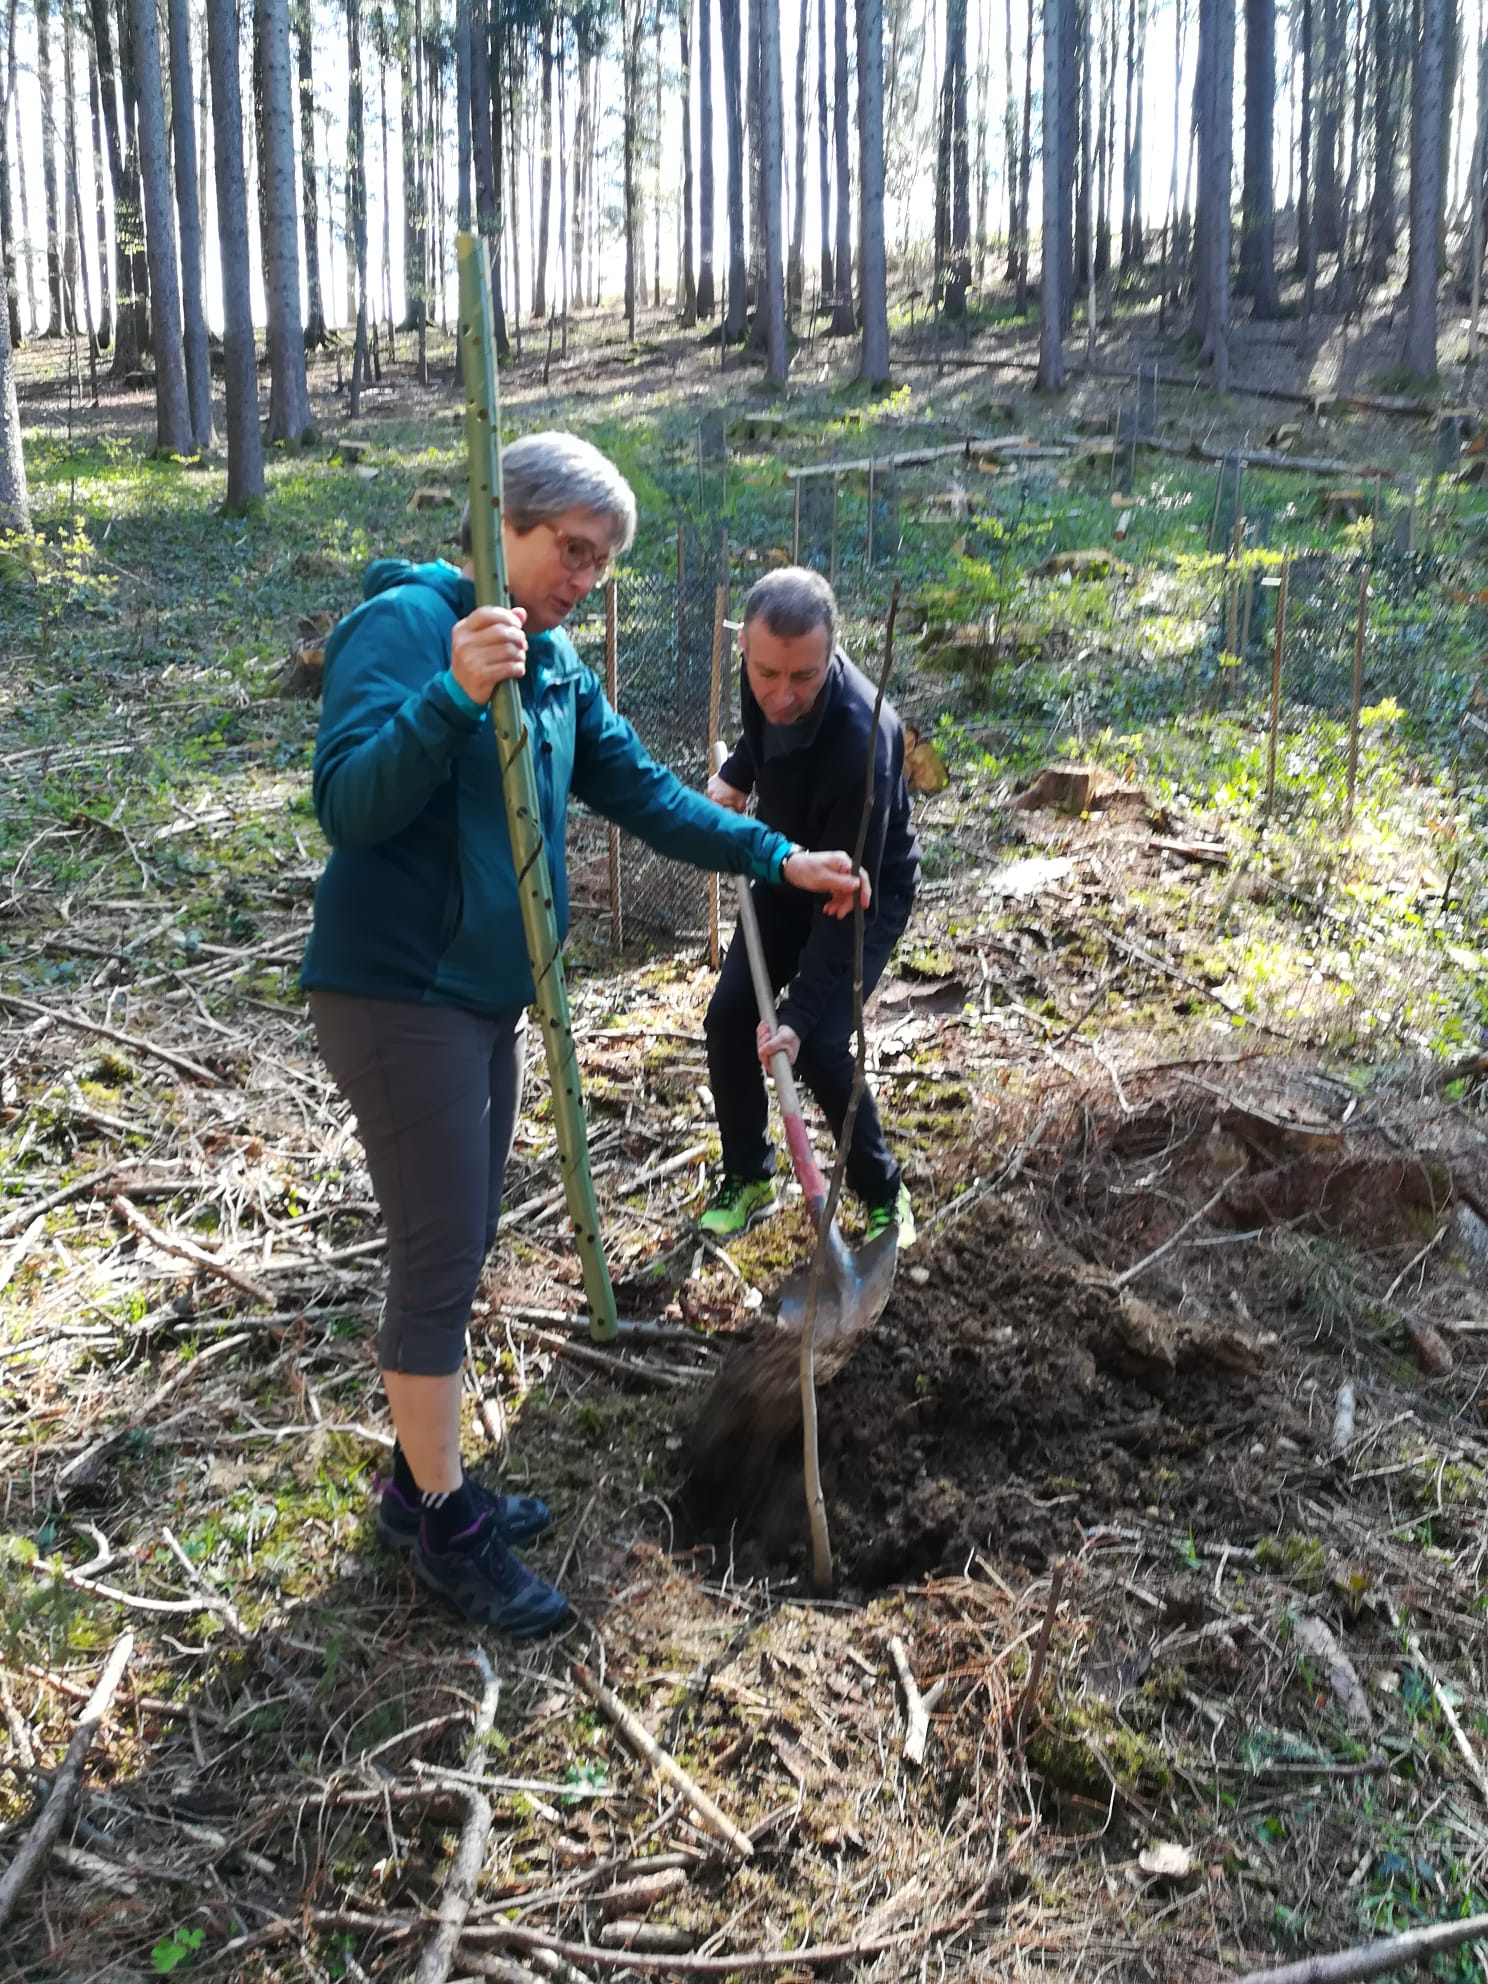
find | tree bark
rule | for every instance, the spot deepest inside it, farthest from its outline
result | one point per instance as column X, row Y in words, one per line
column 1105, row 92
column 126, row 211
column 1428, row 74
column 736, row 306
column 483, row 100
column 356, row 174
column 100, row 204
column 632, row 30
column 684, row 49
column 193, row 314
column 315, row 321
column 707, row 300
column 1326, row 185
column 1258, row 197
column 289, row 399
column 1305, row 146
column 7, row 224
column 1214, row 92
column 1051, row 312
column 51, row 214
column 959, row 272
column 795, row 279
column 464, row 209
column 754, row 139
column 15, row 504
column 172, row 409
column 772, row 159
column 823, row 150
column 843, row 323
column 545, row 195
column 875, row 274
column 1383, row 232
column 72, row 250
column 245, row 474
column 139, row 259
column 656, row 160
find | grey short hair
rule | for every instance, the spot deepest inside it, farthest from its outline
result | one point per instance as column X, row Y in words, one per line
column 793, row 601
column 542, row 475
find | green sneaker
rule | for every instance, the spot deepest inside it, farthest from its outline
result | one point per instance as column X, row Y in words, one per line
column 737, row 1205
column 897, row 1213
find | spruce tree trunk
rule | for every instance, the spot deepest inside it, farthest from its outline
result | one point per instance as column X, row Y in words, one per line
column 545, row 195
column 823, row 148
column 1129, row 167
column 1105, row 90
column 33, row 314
column 15, row 504
column 188, row 213
column 52, row 215
column 1383, row 231
column 875, row 274
column 684, row 50
column 1010, row 148
column 1258, row 197
column 315, row 319
column 1051, row 310
column 7, row 224
column 356, row 175
column 1025, row 167
column 736, row 305
column 289, row 399
column 1428, row 80
column 656, row 162
column 1326, row 185
column 483, row 101
column 464, row 209
column 1305, row 146
column 139, row 259
column 100, row 204
column 1214, row 95
column 632, row 27
column 843, row 321
column 754, row 137
column 71, row 208
column 958, row 267
column 245, row 475
column 172, row 409
column 772, row 162
column 707, row 300
column 126, row 346
column 795, row 279
column 1069, row 138
column 413, row 287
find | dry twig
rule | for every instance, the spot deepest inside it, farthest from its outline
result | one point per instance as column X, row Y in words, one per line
column 640, row 1738
column 465, row 1869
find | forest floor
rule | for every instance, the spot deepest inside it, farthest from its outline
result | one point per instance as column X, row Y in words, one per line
column 1167, row 1461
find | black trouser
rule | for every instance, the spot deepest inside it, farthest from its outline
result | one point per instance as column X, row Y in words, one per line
column 435, row 1092
column 825, row 1062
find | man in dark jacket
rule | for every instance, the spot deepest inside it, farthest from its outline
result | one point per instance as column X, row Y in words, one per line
column 807, row 716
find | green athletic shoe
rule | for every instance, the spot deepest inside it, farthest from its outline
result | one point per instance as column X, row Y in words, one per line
column 737, row 1205
column 897, row 1213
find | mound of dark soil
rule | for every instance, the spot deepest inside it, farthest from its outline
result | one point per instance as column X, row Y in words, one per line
column 1006, row 1401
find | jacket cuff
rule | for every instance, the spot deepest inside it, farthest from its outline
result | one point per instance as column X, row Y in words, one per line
column 465, row 704
column 779, row 854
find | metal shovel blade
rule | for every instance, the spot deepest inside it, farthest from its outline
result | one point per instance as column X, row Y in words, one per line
column 856, row 1283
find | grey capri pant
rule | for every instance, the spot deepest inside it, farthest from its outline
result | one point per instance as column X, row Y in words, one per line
column 435, row 1092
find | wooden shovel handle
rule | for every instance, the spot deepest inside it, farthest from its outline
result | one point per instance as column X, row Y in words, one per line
column 803, row 1161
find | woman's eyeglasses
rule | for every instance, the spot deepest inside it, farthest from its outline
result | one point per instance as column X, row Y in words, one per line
column 579, row 555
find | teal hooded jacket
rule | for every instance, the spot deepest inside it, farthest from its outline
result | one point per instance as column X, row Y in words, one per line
column 419, row 897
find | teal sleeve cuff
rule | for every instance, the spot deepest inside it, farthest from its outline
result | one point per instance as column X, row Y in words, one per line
column 459, row 698
column 783, row 852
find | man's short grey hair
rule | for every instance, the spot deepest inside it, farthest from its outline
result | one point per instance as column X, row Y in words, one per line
column 542, row 475
column 793, row 601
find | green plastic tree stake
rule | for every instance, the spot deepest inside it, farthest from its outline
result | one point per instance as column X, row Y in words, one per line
column 523, row 818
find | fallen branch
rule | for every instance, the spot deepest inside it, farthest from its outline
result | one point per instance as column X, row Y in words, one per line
column 78, row 1189
column 640, row 1738
column 187, row 1250
column 1040, row 1654
column 917, row 1707
column 1129, row 1275
column 1375, row 1959
column 54, row 1812
column 141, row 1046
column 1449, row 1716
column 470, row 1854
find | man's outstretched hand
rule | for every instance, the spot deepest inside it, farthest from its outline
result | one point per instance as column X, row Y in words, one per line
column 829, row 875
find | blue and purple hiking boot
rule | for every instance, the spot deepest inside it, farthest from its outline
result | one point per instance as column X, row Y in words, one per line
column 518, row 1518
column 489, row 1583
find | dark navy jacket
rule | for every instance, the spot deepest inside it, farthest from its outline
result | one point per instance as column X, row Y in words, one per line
column 419, row 898
column 809, row 780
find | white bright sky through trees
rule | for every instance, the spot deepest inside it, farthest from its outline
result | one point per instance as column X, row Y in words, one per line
column 910, row 165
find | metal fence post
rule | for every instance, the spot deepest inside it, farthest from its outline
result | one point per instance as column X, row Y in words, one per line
column 612, row 690
column 1357, row 698
column 1276, row 658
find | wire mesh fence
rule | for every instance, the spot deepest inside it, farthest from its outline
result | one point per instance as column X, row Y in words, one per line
column 1063, row 593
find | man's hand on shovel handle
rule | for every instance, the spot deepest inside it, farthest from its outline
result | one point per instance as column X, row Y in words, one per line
column 829, row 875
column 784, row 1040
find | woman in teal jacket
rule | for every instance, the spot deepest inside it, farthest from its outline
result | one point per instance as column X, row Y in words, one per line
column 417, row 970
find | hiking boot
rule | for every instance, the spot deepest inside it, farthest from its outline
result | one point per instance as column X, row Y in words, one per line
column 896, row 1213
column 518, row 1517
column 737, row 1205
column 482, row 1578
